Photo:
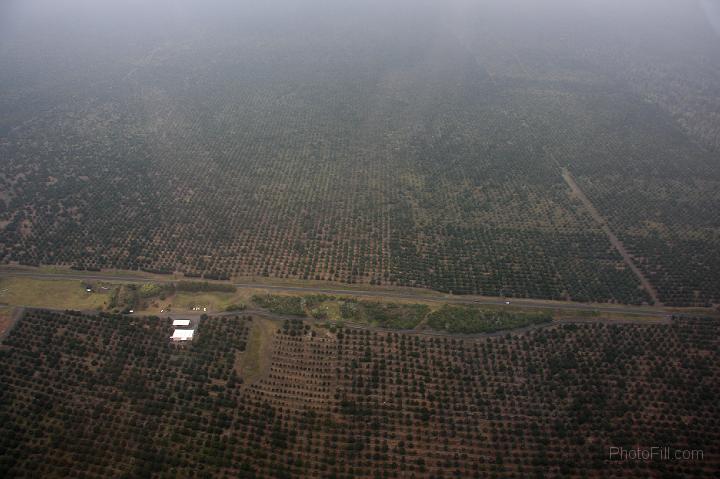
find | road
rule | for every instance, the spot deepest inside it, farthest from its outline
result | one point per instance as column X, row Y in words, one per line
column 385, row 294
column 617, row 244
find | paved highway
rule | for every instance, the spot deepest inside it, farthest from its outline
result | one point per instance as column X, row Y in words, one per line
column 388, row 294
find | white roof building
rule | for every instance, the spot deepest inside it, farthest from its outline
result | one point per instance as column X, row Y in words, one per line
column 181, row 322
column 183, row 335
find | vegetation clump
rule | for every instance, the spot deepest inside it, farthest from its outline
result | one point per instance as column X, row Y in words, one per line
column 470, row 320
column 124, row 298
column 291, row 305
column 235, row 307
column 151, row 290
column 204, row 286
column 385, row 315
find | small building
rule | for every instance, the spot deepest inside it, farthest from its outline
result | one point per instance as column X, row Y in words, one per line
column 181, row 322
column 183, row 335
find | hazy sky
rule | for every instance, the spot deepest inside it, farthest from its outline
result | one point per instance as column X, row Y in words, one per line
column 37, row 17
column 91, row 39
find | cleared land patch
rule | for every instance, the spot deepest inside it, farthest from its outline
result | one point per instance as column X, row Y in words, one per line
column 254, row 362
column 60, row 294
column 7, row 319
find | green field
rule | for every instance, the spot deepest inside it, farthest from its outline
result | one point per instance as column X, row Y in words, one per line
column 56, row 294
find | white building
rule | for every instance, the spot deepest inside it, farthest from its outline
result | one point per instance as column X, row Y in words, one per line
column 183, row 335
column 181, row 322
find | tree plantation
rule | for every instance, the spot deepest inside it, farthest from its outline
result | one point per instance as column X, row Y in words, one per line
column 111, row 396
column 368, row 145
column 339, row 239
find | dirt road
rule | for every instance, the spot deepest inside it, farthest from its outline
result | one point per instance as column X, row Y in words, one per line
column 647, row 286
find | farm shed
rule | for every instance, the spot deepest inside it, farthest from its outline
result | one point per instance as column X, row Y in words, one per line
column 182, row 335
column 181, row 322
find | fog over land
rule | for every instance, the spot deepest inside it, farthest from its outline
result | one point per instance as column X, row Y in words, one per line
column 397, row 143
column 370, row 238
column 46, row 44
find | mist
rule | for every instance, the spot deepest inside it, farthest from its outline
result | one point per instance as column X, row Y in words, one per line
column 404, row 238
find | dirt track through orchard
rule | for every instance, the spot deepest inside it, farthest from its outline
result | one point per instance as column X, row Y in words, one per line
column 567, row 176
